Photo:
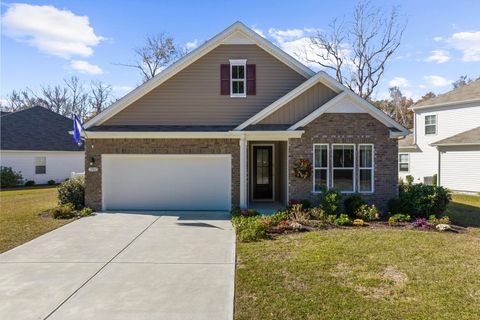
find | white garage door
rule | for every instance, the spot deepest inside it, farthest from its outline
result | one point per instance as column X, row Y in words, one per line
column 166, row 182
column 460, row 169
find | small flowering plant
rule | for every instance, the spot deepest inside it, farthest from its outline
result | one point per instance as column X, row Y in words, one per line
column 421, row 223
column 302, row 168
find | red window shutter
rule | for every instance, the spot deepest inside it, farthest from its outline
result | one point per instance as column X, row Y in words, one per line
column 225, row 79
column 251, row 80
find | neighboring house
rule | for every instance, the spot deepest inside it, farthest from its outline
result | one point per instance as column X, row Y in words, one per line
column 36, row 142
column 445, row 140
column 225, row 125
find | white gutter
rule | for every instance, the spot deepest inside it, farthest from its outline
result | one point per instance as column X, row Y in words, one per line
column 250, row 135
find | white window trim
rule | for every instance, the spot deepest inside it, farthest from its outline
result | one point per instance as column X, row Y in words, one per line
column 425, row 124
column 238, row 62
column 327, row 167
column 408, row 162
column 340, row 168
column 372, row 168
column 37, row 165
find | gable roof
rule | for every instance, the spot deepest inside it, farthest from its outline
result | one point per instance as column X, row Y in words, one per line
column 234, row 34
column 36, row 129
column 343, row 93
column 469, row 137
column 465, row 94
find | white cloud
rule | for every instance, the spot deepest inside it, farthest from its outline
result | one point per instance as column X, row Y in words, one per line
column 437, row 81
column 122, row 89
column 439, row 56
column 191, row 45
column 468, row 43
column 51, row 30
column 85, row 67
column 399, row 82
column 437, row 39
column 286, row 35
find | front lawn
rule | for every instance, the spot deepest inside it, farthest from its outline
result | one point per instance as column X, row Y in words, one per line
column 19, row 215
column 360, row 273
column 464, row 210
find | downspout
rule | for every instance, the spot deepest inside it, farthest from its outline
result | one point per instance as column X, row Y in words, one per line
column 439, row 166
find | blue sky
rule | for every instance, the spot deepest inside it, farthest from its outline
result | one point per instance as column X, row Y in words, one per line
column 43, row 45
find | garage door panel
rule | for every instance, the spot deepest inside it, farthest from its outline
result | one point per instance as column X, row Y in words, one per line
column 166, row 182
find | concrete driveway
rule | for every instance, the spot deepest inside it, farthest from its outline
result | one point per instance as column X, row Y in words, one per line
column 124, row 266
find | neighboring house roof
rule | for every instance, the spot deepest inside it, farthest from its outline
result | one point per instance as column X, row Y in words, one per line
column 469, row 137
column 36, row 129
column 4, row 113
column 407, row 143
column 236, row 33
column 464, row 94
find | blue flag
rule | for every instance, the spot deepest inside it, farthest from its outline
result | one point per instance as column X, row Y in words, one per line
column 77, row 130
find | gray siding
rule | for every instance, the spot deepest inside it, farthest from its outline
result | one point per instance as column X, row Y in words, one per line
column 301, row 106
column 192, row 97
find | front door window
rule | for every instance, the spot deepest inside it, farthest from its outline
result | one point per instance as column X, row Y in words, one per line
column 262, row 172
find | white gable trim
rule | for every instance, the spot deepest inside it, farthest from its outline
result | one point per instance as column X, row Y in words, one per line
column 236, row 33
column 372, row 110
column 320, row 77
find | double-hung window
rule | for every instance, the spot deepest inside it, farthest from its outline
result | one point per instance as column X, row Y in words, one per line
column 431, row 124
column 320, row 167
column 40, row 165
column 238, row 78
column 365, row 168
column 344, row 167
column 403, row 162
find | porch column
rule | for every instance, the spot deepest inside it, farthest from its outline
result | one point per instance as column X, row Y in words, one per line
column 243, row 172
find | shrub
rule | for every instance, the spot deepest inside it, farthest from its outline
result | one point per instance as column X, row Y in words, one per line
column 331, row 218
column 72, row 191
column 420, row 223
column 343, row 220
column 421, row 201
column 10, row 177
column 279, row 216
column 395, row 205
column 305, row 203
column 29, row 183
column 434, row 220
column 397, row 218
column 330, row 201
column 65, row 211
column 249, row 228
column 358, row 222
column 367, row 213
column 352, row 204
column 409, row 179
column 317, row 213
column 434, row 180
column 85, row 212
column 296, row 213
column 51, row 182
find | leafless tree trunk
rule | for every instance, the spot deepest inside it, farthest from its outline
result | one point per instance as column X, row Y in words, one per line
column 56, row 98
column 22, row 99
column 78, row 102
column 358, row 51
column 100, row 96
column 158, row 52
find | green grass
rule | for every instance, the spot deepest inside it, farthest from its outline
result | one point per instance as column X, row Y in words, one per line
column 364, row 273
column 19, row 215
column 464, row 210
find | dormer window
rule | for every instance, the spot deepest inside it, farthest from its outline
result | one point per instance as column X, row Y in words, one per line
column 238, row 78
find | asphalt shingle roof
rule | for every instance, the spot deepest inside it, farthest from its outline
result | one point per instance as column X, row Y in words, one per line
column 36, row 129
column 467, row 92
column 471, row 136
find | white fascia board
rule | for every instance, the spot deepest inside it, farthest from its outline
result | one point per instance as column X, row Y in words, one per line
column 191, row 58
column 43, row 151
column 454, row 144
column 263, row 135
column 445, row 104
column 319, row 77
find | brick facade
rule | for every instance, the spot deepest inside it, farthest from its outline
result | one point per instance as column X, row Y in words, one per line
column 352, row 128
column 96, row 147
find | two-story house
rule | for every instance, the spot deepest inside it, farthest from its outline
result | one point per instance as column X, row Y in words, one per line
column 238, row 122
column 445, row 142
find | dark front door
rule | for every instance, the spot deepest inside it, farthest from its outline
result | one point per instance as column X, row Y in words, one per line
column 262, row 172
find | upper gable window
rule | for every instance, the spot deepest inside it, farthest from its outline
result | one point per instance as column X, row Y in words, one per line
column 431, row 124
column 238, row 78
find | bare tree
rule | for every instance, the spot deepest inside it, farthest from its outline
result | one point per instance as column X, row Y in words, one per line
column 357, row 51
column 461, row 81
column 100, row 96
column 78, row 102
column 22, row 99
column 397, row 107
column 56, row 98
column 158, row 52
